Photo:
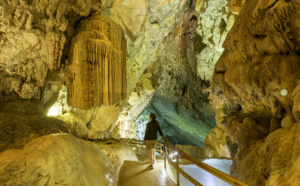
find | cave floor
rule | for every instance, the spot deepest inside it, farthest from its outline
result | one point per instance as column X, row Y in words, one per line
column 136, row 173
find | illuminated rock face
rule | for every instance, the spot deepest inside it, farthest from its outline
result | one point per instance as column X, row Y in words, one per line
column 216, row 17
column 56, row 159
column 261, row 58
column 32, row 39
column 97, row 71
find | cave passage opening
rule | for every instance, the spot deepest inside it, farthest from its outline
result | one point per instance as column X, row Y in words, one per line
column 179, row 125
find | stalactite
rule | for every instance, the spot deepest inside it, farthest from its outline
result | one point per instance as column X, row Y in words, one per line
column 97, row 69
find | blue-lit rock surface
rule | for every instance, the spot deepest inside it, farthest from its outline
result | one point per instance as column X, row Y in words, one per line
column 179, row 124
column 170, row 61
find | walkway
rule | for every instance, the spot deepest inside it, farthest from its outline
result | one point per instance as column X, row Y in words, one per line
column 137, row 173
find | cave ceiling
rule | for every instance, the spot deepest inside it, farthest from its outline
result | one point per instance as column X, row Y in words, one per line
column 172, row 47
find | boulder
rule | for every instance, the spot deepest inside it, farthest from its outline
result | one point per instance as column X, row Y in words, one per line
column 56, row 159
column 17, row 129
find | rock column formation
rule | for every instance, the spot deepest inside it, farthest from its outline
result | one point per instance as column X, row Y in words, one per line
column 97, row 72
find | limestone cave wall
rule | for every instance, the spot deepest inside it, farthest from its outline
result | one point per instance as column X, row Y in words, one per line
column 171, row 49
column 168, row 60
column 257, row 122
column 32, row 42
column 53, row 53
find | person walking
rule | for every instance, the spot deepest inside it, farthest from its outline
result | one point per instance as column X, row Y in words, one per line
column 151, row 137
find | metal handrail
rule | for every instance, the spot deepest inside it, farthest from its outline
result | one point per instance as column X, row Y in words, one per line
column 219, row 174
column 199, row 153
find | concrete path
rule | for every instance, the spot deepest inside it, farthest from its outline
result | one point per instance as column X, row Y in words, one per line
column 138, row 173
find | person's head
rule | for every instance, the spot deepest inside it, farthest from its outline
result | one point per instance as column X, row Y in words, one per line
column 152, row 117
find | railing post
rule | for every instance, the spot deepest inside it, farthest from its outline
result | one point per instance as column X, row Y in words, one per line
column 177, row 159
column 186, row 152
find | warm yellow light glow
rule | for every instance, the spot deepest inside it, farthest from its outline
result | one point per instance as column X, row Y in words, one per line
column 61, row 103
column 53, row 111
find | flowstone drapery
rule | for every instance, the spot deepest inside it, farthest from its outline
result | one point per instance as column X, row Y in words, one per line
column 96, row 74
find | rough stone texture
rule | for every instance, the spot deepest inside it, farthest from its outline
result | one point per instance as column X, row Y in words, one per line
column 146, row 51
column 96, row 74
column 290, row 160
column 167, row 73
column 146, row 27
column 32, row 40
column 56, row 159
column 261, row 57
column 103, row 121
column 132, row 15
column 97, row 123
column 216, row 140
column 192, row 122
column 17, row 129
column 14, row 104
column 296, row 106
column 268, row 63
column 163, row 46
column 164, row 56
column 172, row 47
column 273, row 162
column 216, row 17
column 125, row 126
column 182, row 98
column 77, row 127
column 160, row 57
column 117, row 152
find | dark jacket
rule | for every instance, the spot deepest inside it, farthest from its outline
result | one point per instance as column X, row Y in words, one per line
column 151, row 130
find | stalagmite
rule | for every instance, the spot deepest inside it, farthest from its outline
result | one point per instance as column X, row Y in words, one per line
column 96, row 74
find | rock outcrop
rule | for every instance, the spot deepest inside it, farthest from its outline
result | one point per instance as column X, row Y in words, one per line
column 216, row 140
column 56, row 159
column 32, row 40
column 96, row 74
column 75, row 124
column 260, row 60
column 17, row 129
column 215, row 19
column 181, row 97
column 154, row 46
column 117, row 151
